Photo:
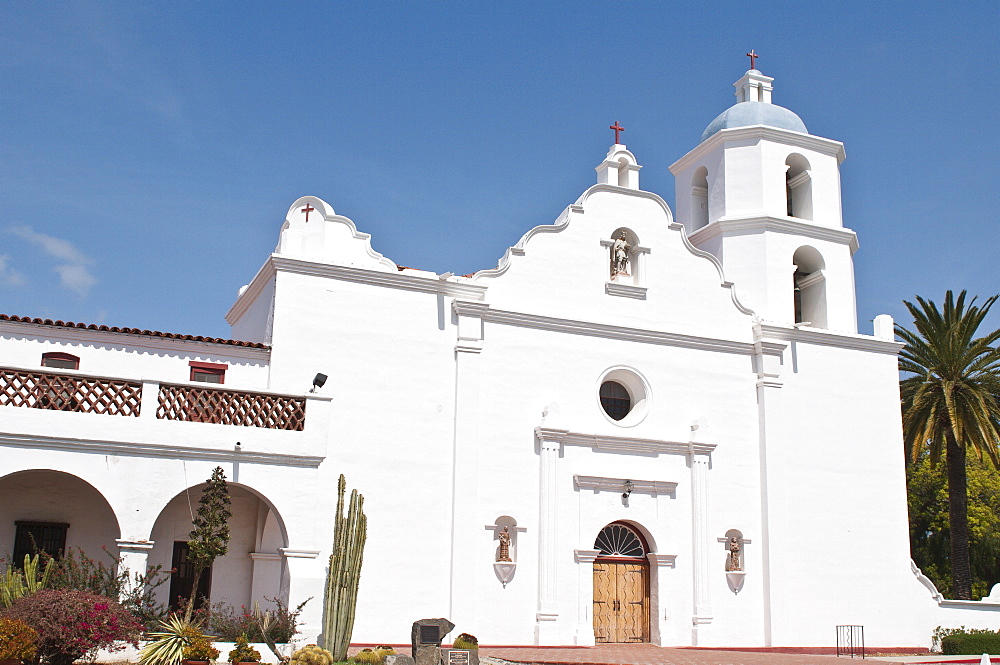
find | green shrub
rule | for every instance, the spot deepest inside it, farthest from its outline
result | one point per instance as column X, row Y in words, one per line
column 244, row 653
column 970, row 643
column 17, row 640
column 200, row 649
column 111, row 578
column 75, row 624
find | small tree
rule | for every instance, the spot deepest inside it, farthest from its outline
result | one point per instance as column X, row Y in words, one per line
column 210, row 537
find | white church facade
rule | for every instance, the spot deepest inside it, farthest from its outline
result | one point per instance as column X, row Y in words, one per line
column 676, row 419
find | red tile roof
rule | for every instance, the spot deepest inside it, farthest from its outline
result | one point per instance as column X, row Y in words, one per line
column 132, row 331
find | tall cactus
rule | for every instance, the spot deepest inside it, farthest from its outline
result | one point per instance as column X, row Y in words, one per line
column 344, row 573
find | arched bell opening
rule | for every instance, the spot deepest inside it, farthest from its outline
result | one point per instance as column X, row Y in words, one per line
column 699, row 198
column 621, row 585
column 798, row 187
column 809, row 287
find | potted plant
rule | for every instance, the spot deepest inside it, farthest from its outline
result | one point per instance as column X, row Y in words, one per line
column 17, row 641
column 199, row 652
column 243, row 653
column 169, row 643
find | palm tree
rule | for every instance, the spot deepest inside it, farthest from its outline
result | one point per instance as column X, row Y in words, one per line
column 951, row 403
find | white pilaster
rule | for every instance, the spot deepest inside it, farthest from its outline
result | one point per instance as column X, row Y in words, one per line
column 585, row 604
column 659, row 595
column 465, row 457
column 134, row 555
column 548, row 612
column 266, row 576
column 699, row 532
column 306, row 573
column 768, row 361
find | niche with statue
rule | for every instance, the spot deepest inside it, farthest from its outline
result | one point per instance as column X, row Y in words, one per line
column 505, row 533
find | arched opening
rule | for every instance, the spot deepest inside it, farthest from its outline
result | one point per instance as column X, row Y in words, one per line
column 621, row 585
column 798, row 187
column 623, row 172
column 699, row 198
column 53, row 511
column 809, row 287
column 252, row 570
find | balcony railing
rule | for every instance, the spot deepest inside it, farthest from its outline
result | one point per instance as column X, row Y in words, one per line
column 64, row 392
column 230, row 407
column 118, row 397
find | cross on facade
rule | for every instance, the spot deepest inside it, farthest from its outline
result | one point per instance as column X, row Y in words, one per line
column 753, row 58
column 307, row 210
column 618, row 128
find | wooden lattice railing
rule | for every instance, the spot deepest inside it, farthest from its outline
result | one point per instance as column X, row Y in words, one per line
column 66, row 392
column 231, row 407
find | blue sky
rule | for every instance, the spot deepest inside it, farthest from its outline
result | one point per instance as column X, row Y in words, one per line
column 149, row 150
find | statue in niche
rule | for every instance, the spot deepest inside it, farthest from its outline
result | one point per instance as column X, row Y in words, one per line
column 620, row 259
column 504, row 554
column 733, row 562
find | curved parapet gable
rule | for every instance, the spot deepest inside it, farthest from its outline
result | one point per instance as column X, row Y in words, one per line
column 314, row 232
column 584, row 239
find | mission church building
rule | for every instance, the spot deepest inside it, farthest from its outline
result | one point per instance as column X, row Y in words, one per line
column 636, row 428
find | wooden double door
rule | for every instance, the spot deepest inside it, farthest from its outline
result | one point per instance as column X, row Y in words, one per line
column 621, row 601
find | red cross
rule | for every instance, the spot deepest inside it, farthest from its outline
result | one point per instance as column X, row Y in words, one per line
column 618, row 128
column 753, row 57
column 307, row 210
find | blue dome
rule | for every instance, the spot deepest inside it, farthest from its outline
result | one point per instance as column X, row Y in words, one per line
column 745, row 114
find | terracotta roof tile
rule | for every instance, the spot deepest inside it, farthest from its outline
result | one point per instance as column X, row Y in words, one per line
column 132, row 331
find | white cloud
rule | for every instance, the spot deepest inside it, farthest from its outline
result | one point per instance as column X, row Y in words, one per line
column 73, row 270
column 9, row 276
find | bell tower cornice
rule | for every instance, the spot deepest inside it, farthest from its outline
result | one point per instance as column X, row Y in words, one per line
column 784, row 136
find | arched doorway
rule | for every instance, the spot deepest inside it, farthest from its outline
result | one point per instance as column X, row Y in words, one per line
column 621, row 585
column 252, row 570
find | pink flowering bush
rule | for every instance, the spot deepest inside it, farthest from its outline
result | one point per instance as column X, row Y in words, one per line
column 72, row 624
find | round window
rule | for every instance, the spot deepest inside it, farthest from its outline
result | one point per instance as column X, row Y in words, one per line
column 615, row 399
column 623, row 396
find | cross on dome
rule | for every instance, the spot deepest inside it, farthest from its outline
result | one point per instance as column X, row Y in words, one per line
column 307, row 210
column 753, row 58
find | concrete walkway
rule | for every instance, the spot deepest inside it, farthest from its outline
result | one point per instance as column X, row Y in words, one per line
column 647, row 654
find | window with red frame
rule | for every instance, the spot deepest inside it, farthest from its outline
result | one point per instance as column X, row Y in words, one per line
column 208, row 372
column 60, row 360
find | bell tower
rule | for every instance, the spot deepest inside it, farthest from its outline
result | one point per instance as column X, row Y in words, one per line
column 763, row 195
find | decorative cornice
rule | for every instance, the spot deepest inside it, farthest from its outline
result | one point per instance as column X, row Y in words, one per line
column 625, row 290
column 622, row 444
column 139, row 341
column 586, row 556
column 392, row 280
column 290, row 553
column 131, row 449
column 265, row 556
column 662, row 560
column 602, row 483
column 249, row 295
column 830, row 338
column 134, row 546
column 789, row 225
column 571, row 326
column 788, row 137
